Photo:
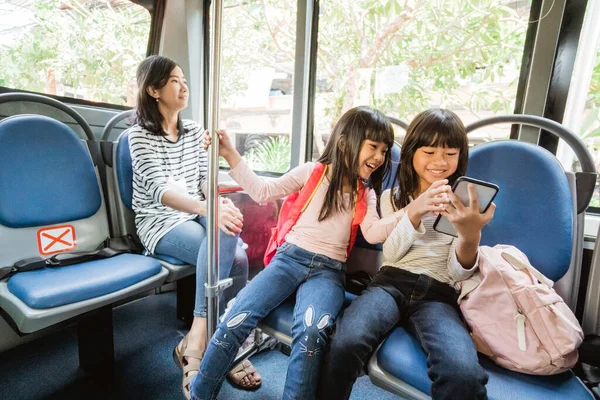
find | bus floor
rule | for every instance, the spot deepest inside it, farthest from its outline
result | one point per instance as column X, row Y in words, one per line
column 145, row 332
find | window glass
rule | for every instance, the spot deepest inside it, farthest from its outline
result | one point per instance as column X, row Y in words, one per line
column 73, row 48
column 257, row 70
column 590, row 129
column 406, row 56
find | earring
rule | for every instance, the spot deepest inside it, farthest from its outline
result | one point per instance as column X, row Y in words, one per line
column 156, row 99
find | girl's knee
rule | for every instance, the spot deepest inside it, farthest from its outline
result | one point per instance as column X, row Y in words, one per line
column 234, row 327
column 313, row 339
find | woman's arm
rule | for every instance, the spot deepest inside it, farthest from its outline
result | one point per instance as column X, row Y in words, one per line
column 148, row 169
column 185, row 203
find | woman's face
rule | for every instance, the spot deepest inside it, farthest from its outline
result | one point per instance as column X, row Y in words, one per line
column 174, row 95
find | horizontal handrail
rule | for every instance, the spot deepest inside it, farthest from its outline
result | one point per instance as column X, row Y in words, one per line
column 585, row 180
column 36, row 98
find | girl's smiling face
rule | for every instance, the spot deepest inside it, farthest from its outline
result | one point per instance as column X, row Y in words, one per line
column 371, row 156
column 434, row 163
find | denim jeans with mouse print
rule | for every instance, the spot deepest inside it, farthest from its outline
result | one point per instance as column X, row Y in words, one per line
column 318, row 284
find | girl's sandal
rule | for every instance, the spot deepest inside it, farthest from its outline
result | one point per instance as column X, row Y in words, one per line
column 240, row 374
column 189, row 360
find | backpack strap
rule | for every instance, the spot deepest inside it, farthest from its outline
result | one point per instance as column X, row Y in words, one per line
column 358, row 215
column 300, row 200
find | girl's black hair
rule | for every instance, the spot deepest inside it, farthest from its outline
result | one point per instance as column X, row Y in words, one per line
column 436, row 127
column 153, row 72
column 342, row 151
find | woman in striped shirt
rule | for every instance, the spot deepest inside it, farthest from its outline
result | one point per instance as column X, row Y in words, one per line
column 416, row 287
column 169, row 174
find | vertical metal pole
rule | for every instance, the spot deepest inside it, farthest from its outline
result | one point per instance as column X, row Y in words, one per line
column 212, row 209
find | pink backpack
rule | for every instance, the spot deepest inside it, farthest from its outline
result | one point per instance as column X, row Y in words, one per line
column 515, row 316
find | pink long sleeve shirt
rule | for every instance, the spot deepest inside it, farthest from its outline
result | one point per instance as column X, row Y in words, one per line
column 329, row 237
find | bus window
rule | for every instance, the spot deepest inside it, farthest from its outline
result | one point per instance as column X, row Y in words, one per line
column 257, row 67
column 73, row 48
column 582, row 111
column 404, row 57
column 590, row 128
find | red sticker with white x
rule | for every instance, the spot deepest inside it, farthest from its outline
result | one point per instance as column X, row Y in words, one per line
column 56, row 239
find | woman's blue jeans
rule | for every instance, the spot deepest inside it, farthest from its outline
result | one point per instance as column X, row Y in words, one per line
column 319, row 285
column 428, row 310
column 187, row 242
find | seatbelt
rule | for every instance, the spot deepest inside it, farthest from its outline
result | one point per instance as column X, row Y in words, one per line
column 109, row 248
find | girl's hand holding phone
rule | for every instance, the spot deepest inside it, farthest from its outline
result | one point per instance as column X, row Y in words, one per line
column 467, row 220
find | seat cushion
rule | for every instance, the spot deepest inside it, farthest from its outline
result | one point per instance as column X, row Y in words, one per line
column 402, row 357
column 169, row 259
column 53, row 287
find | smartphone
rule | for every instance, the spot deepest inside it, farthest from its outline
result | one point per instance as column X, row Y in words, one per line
column 486, row 192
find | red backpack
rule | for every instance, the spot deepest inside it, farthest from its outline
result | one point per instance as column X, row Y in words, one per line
column 296, row 203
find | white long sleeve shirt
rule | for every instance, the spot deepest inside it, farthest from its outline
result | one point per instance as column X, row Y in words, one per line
column 423, row 250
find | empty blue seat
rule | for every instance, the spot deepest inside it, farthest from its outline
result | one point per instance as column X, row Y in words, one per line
column 51, row 203
column 52, row 287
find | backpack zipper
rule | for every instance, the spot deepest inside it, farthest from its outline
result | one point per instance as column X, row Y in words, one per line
column 521, row 330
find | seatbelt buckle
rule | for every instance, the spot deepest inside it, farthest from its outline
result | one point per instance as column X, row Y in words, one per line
column 5, row 271
column 52, row 262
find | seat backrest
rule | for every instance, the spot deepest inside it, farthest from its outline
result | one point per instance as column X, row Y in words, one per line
column 389, row 182
column 124, row 170
column 534, row 207
column 51, row 199
column 121, row 187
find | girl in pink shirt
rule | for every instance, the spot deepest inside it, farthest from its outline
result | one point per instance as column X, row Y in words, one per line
column 312, row 260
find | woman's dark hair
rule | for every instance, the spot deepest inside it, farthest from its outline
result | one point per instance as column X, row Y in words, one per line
column 153, row 72
column 343, row 149
column 436, row 127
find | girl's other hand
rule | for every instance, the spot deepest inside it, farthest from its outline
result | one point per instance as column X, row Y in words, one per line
column 467, row 220
column 231, row 219
column 433, row 200
column 225, row 145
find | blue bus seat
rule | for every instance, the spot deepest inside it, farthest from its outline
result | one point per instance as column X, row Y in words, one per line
column 123, row 177
column 535, row 212
column 51, row 202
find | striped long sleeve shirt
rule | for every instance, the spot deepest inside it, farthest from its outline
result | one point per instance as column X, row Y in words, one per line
column 423, row 250
column 155, row 162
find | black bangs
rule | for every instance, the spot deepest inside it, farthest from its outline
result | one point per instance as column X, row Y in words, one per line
column 383, row 133
column 440, row 128
column 380, row 129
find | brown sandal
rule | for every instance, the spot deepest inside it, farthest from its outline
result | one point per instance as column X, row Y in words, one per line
column 189, row 360
column 244, row 370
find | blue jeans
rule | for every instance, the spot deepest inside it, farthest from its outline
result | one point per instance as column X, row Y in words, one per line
column 319, row 285
column 428, row 309
column 187, row 242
